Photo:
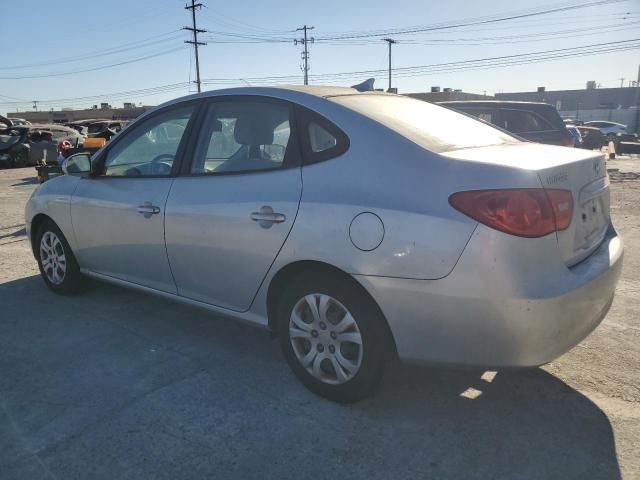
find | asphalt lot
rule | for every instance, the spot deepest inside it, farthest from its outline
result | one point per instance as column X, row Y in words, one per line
column 116, row 384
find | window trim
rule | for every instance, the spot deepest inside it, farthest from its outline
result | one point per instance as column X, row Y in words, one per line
column 181, row 152
column 307, row 116
column 210, row 103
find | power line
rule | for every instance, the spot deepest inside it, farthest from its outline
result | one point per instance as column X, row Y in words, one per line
column 470, row 22
column 490, row 62
column 147, row 42
column 501, row 40
column 111, row 96
column 93, row 69
column 195, row 41
column 486, row 62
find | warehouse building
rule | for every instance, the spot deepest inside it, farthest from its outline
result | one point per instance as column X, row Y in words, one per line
column 128, row 112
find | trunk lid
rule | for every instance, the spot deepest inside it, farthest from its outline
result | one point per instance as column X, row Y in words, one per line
column 588, row 181
column 582, row 172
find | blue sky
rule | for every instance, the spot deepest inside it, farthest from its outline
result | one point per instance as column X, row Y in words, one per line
column 70, row 36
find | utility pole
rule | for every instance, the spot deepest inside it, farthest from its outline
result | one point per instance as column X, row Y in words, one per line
column 621, row 82
column 305, row 54
column 195, row 41
column 390, row 42
column 35, row 105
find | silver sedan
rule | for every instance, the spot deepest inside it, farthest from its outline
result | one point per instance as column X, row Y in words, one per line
column 356, row 226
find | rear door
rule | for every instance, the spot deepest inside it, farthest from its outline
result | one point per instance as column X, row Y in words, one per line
column 230, row 212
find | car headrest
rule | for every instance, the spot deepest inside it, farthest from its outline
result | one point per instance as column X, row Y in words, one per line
column 253, row 131
column 217, row 125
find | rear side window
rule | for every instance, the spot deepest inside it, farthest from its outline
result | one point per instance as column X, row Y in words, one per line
column 433, row 127
column 321, row 139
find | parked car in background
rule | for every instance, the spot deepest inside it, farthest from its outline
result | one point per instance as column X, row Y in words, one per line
column 105, row 129
column 420, row 231
column 4, row 122
column 81, row 128
column 610, row 129
column 19, row 121
column 571, row 121
column 14, row 151
column 536, row 122
column 577, row 136
column 592, row 138
column 29, row 144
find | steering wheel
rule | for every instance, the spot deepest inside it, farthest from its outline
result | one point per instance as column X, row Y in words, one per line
column 158, row 167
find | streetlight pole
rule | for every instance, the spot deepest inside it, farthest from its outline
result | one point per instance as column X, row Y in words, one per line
column 390, row 42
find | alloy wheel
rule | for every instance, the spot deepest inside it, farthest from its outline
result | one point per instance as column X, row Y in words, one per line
column 52, row 257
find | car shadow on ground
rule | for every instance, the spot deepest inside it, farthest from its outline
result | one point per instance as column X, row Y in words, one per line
column 171, row 391
column 11, row 232
column 26, row 181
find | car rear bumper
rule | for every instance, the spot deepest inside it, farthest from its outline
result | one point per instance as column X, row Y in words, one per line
column 501, row 306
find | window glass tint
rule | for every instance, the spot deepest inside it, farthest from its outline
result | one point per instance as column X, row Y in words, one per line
column 431, row 126
column 150, row 149
column 519, row 121
column 320, row 139
column 243, row 136
column 486, row 116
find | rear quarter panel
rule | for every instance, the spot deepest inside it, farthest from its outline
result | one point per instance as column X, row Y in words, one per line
column 406, row 186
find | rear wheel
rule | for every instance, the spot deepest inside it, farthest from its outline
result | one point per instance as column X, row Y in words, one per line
column 21, row 159
column 333, row 336
column 56, row 261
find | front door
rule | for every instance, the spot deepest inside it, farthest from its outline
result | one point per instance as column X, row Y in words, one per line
column 228, row 217
column 118, row 214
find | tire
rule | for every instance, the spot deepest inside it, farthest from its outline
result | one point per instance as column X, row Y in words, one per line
column 21, row 159
column 57, row 264
column 342, row 371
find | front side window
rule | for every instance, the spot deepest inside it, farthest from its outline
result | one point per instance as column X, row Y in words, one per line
column 149, row 149
column 242, row 136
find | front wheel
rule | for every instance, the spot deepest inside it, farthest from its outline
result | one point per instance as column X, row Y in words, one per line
column 57, row 264
column 333, row 336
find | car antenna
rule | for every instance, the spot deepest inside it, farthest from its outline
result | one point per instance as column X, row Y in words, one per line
column 366, row 86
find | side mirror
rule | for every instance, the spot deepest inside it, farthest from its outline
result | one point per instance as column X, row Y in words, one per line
column 77, row 164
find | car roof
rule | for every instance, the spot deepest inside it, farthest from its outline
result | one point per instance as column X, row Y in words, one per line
column 604, row 121
column 587, row 127
column 492, row 103
column 49, row 126
column 278, row 91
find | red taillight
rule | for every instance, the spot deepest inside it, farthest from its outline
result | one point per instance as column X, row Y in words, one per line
column 562, row 204
column 525, row 212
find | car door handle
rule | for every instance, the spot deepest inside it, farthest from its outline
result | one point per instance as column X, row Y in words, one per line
column 147, row 209
column 266, row 216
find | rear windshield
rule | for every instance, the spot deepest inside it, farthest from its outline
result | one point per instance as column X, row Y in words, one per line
column 435, row 128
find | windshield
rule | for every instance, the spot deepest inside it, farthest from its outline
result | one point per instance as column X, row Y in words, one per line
column 433, row 127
